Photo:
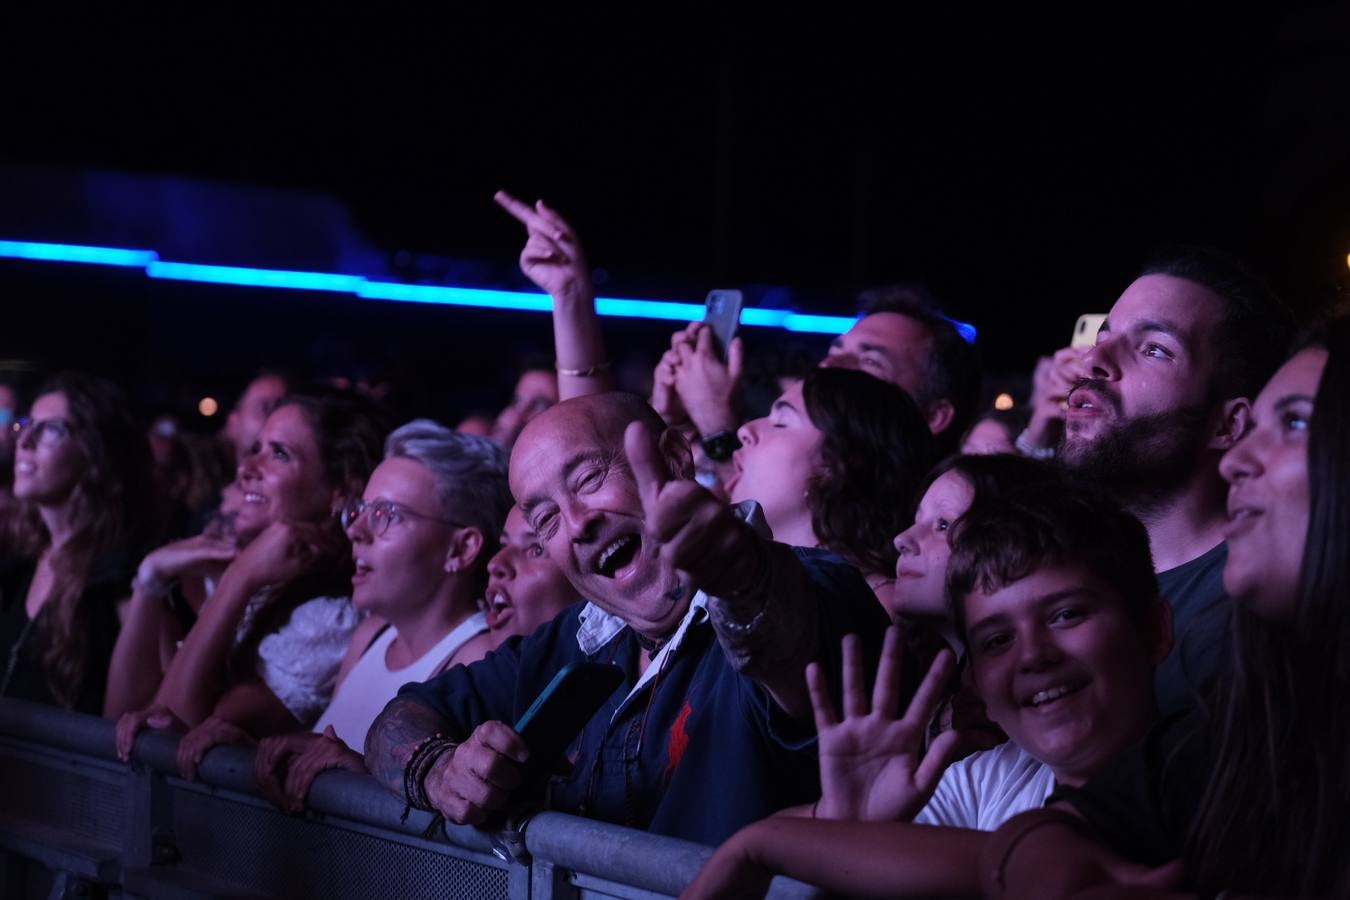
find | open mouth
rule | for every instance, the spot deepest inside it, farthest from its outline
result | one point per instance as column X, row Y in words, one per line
column 24, row 467
column 254, row 497
column 618, row 555
column 498, row 608
column 361, row 570
column 1047, row 696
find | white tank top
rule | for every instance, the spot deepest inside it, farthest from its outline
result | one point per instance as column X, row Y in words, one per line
column 370, row 684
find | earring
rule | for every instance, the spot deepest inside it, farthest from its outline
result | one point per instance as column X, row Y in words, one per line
column 454, row 567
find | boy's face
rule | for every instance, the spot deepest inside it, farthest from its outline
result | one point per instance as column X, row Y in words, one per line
column 1064, row 668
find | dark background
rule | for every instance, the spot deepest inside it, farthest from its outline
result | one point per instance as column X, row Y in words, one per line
column 1021, row 168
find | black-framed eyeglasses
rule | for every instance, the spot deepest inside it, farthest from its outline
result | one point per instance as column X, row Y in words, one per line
column 380, row 514
column 46, row 432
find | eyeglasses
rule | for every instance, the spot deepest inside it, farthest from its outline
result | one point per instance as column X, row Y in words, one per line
column 380, row 514
column 46, row 432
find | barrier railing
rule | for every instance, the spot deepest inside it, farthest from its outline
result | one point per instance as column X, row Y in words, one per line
column 76, row 822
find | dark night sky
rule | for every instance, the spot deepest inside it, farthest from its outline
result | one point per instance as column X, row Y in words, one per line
column 1021, row 168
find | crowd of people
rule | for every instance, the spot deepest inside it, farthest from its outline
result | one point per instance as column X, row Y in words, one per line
column 869, row 635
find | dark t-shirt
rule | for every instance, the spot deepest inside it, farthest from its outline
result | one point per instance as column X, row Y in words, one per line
column 1201, row 622
column 1143, row 801
column 24, row 643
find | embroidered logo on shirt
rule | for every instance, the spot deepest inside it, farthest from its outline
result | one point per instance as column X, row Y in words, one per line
column 679, row 740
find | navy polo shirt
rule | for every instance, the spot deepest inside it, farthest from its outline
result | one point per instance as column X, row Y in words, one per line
column 700, row 750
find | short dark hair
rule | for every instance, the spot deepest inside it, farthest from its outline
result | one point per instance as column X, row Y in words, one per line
column 1256, row 327
column 951, row 367
column 875, row 450
column 1007, row 538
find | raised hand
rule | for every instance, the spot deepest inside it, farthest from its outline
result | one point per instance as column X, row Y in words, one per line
column 476, row 779
column 212, row 732
column 286, row 766
column 1054, row 378
column 705, row 382
column 696, row 532
column 873, row 765
column 552, row 258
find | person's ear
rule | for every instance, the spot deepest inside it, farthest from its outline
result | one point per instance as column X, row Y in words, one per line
column 941, row 414
column 678, row 455
column 1158, row 625
column 462, row 552
column 1235, row 420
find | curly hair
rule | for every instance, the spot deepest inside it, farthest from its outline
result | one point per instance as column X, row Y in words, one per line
column 875, row 450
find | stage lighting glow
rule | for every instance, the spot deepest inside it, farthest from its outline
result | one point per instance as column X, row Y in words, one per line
column 243, row 276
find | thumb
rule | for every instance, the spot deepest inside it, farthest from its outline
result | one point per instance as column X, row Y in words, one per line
column 645, row 462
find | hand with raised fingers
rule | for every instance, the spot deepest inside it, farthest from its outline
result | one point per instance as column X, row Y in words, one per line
column 282, row 552
column 1054, row 378
column 696, row 532
column 874, row 765
column 707, row 382
column 553, row 257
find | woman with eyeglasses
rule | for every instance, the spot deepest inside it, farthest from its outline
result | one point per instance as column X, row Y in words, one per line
column 421, row 540
column 272, row 611
column 80, row 466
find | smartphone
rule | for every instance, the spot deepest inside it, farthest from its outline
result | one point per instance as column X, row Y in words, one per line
column 1085, row 332
column 722, row 313
column 562, row 710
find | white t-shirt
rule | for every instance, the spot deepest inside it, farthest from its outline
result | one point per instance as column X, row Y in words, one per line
column 986, row 789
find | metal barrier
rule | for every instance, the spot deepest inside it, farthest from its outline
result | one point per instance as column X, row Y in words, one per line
column 76, row 822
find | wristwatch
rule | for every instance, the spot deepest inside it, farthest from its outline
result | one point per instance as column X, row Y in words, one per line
column 720, row 446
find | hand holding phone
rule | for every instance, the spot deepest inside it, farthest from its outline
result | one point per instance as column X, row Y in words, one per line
column 561, row 711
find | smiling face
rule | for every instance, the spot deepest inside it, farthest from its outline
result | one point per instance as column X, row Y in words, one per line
column 921, row 570
column 778, row 456
column 282, row 479
column 573, row 484
column 525, row 587
column 48, row 459
column 1063, row 667
column 401, row 569
column 1144, row 406
column 1268, row 499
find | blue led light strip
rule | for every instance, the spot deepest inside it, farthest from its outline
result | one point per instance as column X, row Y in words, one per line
column 412, row 293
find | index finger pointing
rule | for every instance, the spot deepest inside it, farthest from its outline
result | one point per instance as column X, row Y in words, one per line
column 522, row 212
column 644, row 459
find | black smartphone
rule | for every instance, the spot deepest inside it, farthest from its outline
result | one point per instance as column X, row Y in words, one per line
column 562, row 710
column 722, row 313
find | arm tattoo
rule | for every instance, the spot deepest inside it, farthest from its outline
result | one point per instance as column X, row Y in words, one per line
column 394, row 736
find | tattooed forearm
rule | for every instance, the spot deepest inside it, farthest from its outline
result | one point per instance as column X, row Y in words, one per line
column 394, row 736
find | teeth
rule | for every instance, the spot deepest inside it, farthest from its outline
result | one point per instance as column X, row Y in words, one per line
column 498, row 601
column 1053, row 693
column 251, row 497
column 610, row 551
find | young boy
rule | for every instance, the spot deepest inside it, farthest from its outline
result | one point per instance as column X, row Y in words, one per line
column 1054, row 594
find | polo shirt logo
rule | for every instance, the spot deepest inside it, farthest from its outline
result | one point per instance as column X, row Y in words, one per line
column 679, row 739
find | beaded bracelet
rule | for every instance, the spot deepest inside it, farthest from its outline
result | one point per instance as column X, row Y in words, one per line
column 420, row 764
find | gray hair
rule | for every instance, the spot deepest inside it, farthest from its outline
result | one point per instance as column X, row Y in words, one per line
column 470, row 475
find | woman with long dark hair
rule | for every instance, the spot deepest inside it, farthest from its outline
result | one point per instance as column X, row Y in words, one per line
column 837, row 464
column 1252, row 792
column 80, row 467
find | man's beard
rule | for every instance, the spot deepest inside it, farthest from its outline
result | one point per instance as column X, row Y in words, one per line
column 1143, row 461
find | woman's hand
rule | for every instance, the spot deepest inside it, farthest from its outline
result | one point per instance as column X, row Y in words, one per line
column 212, row 732
column 286, row 765
column 132, row 723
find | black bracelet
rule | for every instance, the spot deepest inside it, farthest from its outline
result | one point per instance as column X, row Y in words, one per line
column 420, row 763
